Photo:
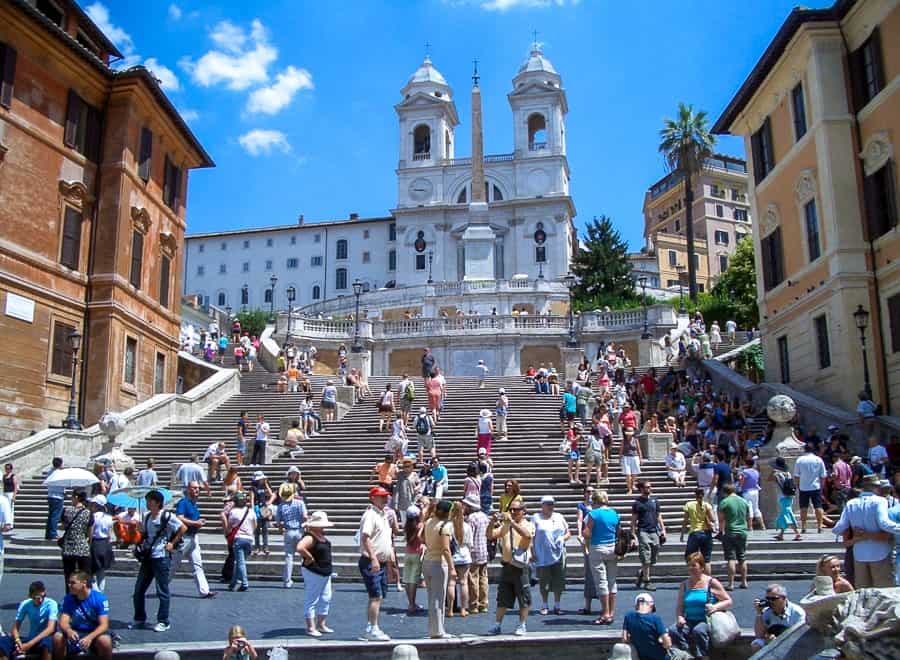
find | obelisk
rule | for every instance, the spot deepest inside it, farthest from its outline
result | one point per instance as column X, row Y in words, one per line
column 478, row 238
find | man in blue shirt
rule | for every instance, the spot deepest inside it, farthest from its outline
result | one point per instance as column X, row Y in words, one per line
column 42, row 613
column 645, row 630
column 55, row 499
column 83, row 621
column 189, row 515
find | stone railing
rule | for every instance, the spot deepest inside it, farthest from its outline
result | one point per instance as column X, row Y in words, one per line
column 36, row 452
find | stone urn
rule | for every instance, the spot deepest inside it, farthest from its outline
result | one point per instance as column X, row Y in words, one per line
column 781, row 409
column 113, row 424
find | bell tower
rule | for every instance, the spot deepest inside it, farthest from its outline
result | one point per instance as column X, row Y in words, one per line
column 539, row 108
column 427, row 117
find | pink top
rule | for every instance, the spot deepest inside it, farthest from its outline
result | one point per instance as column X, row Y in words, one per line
column 843, row 475
column 472, row 486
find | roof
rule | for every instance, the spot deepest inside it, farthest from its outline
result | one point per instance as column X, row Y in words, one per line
column 536, row 61
column 427, row 74
column 797, row 18
column 94, row 31
column 311, row 225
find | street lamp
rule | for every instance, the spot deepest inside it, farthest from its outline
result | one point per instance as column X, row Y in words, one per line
column 357, row 291
column 291, row 296
column 430, row 260
column 681, row 309
column 272, row 319
column 861, row 317
column 571, row 281
column 71, row 420
column 642, row 282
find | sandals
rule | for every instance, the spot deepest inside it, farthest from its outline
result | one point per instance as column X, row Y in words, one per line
column 557, row 611
column 544, row 611
column 584, row 611
column 603, row 620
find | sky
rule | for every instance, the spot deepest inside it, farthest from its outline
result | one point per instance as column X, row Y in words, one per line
column 294, row 100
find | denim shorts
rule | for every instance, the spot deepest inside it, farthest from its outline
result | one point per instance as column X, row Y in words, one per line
column 8, row 645
column 375, row 581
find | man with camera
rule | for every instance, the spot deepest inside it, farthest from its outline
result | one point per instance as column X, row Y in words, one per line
column 513, row 534
column 775, row 614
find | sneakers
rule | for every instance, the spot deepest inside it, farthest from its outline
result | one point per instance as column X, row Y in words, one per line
column 495, row 629
column 161, row 627
column 325, row 629
column 312, row 632
column 520, row 630
column 649, row 586
column 288, row 584
column 136, row 625
column 375, row 634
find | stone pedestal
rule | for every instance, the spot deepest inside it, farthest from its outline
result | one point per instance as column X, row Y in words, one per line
column 655, row 446
column 650, row 353
column 362, row 362
column 781, row 409
column 571, row 359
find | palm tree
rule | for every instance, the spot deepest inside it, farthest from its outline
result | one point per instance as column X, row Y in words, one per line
column 686, row 143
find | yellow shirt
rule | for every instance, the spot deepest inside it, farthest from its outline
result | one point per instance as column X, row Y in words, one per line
column 697, row 513
column 435, row 528
column 506, row 500
column 518, row 540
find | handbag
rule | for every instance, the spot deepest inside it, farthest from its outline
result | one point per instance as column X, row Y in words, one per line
column 518, row 557
column 61, row 541
column 723, row 626
column 624, row 542
column 233, row 532
column 143, row 551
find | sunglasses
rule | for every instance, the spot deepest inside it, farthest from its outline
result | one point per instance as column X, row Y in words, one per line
column 516, row 509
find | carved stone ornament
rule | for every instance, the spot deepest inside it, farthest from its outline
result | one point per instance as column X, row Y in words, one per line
column 769, row 220
column 168, row 243
column 877, row 152
column 805, row 189
column 868, row 622
column 781, row 409
column 141, row 219
column 75, row 193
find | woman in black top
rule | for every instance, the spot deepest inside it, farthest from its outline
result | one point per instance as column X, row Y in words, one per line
column 315, row 550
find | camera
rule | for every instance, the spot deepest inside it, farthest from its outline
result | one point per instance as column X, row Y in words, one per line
column 760, row 603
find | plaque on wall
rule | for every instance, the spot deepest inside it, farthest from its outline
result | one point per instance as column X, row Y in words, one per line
column 19, row 307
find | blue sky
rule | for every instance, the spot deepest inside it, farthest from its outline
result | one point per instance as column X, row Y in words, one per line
column 294, row 100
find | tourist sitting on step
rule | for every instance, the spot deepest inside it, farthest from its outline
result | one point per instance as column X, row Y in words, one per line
column 385, row 473
column 774, row 615
column 216, row 458
column 126, row 529
column 553, row 380
column 83, row 621
column 292, row 440
column 530, row 374
column 41, row 613
column 441, row 477
column 239, row 647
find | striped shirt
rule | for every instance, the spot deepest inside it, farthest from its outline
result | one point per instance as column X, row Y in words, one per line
column 291, row 514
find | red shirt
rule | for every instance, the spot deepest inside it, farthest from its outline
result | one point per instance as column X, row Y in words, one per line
column 648, row 383
column 628, row 419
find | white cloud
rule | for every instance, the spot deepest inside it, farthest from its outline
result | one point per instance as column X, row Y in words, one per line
column 189, row 115
column 272, row 99
column 175, row 12
column 100, row 15
column 260, row 142
column 242, row 60
column 167, row 78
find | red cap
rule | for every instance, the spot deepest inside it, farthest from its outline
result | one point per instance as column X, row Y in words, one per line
column 378, row 491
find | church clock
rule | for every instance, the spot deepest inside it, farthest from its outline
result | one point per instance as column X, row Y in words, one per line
column 421, row 190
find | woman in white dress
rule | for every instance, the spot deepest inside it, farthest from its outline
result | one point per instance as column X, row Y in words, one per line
column 715, row 335
column 676, row 466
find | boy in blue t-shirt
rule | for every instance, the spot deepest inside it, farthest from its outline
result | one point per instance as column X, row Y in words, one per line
column 41, row 613
column 83, row 621
column 645, row 630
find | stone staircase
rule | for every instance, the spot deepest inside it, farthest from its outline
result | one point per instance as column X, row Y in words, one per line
column 336, row 467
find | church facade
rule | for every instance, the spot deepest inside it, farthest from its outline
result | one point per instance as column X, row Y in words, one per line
column 506, row 217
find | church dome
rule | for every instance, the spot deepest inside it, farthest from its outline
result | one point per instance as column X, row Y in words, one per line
column 427, row 74
column 536, row 61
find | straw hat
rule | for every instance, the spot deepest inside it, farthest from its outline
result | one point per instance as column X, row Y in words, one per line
column 286, row 491
column 318, row 519
column 472, row 502
column 259, row 475
column 485, row 412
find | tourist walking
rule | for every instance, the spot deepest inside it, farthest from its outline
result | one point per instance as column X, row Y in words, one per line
column 56, row 497
column 406, row 394
column 501, row 409
column 161, row 532
column 375, row 547
column 461, row 550
column 809, row 470
column 437, row 566
column 407, row 487
column 243, row 436
column 482, row 370
column 514, row 535
column 600, row 531
column 748, row 480
column 649, row 531
column 329, row 401
column 10, row 485
column 290, row 515
column 258, row 456
column 698, row 596
column 412, row 562
column 485, row 430
column 434, row 388
column 314, row 549
column 6, row 526
column 590, row 589
column 478, row 570
column 733, row 515
column 239, row 523
column 188, row 512
column 784, row 482
column 551, row 532
column 385, row 408
column 425, row 434
column 76, row 539
column 511, row 493
column 700, row 524
column 147, row 477
column 631, row 458
column 261, row 499
column 428, row 363
column 102, row 555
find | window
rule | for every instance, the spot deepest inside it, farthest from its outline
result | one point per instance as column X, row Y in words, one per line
column 316, row 292
column 145, row 154
column 824, row 353
column 315, row 261
column 293, row 240
column 83, row 127
column 245, row 295
column 737, row 195
column 420, row 262
column 881, row 201
column 341, row 249
column 267, row 296
column 696, row 261
column 130, row 375
column 673, row 258
column 799, row 107
column 721, row 237
column 784, row 360
column 893, row 304
column 293, row 262
column 720, row 212
column 422, row 142
column 159, row 374
column 812, row 230
column 365, row 233
column 537, row 132
column 540, row 254
column 61, row 356
column 165, row 266
column 392, row 231
column 498, row 195
column 867, row 72
column 677, row 226
column 70, row 254
column 246, row 244
column 723, row 263
column 50, row 9
column 317, row 238
column 763, row 154
column 223, row 268
column 463, row 196
column 340, row 278
column 171, row 184
column 220, row 299
column 200, row 270
column 245, row 267
column 772, row 259
column 392, row 260
column 137, row 258
column 367, row 257
column 671, row 283
column 201, row 247
column 223, row 246
column 269, row 242
column 740, row 214
column 268, row 264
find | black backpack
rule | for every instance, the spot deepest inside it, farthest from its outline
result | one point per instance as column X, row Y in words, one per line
column 422, row 425
column 786, row 482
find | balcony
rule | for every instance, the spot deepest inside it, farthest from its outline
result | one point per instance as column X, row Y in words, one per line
column 537, row 146
column 422, row 156
column 717, row 193
column 739, row 197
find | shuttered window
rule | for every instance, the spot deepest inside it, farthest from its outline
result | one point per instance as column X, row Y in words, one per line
column 61, row 352
column 763, row 153
column 159, row 374
column 130, row 371
column 164, row 268
column 867, row 71
column 171, row 184
column 822, row 347
column 83, row 127
column 70, row 252
column 772, row 259
column 7, row 74
column 784, row 360
column 145, row 154
column 894, row 318
column 881, row 201
column 137, row 258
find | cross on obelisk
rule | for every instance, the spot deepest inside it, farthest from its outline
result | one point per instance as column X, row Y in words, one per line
column 427, row 49
column 534, row 42
column 475, row 76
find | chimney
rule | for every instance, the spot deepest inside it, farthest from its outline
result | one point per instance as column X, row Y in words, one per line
column 300, row 219
column 354, row 216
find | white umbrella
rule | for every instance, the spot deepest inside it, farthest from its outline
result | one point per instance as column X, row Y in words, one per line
column 70, row 478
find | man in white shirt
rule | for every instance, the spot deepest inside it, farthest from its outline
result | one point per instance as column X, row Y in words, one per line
column 147, row 476
column 866, row 516
column 878, row 456
column 215, row 457
column 375, row 547
column 730, row 330
column 809, row 471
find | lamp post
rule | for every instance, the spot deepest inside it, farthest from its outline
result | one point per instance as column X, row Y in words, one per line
column 430, row 261
column 861, row 317
column 71, row 420
column 571, row 281
column 272, row 319
column 681, row 309
column 642, row 282
column 357, row 291
column 291, row 296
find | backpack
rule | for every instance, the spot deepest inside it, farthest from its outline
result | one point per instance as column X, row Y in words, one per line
column 410, row 393
column 786, row 483
column 422, row 425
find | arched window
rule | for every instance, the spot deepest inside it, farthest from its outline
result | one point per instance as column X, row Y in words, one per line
column 498, row 196
column 340, row 278
column 492, row 193
column 220, row 299
column 463, row 196
column 245, row 295
column 537, row 132
column 341, row 249
column 317, row 292
column 422, row 142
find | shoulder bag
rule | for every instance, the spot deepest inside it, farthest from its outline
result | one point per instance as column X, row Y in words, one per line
column 61, row 541
column 723, row 626
column 518, row 557
column 233, row 532
column 143, row 552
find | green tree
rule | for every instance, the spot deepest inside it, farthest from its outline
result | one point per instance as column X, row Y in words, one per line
column 686, row 143
column 252, row 321
column 738, row 285
column 602, row 266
